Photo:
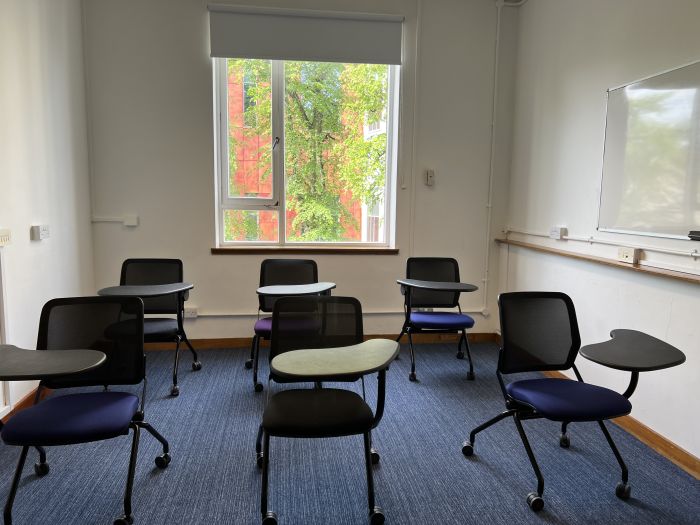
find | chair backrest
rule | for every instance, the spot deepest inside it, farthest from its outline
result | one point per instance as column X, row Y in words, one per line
column 154, row 271
column 285, row 271
column 315, row 322
column 113, row 325
column 539, row 331
column 444, row 269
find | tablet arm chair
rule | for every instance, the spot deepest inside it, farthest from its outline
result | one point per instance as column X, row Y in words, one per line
column 539, row 333
column 442, row 269
column 319, row 412
column 162, row 329
column 113, row 325
column 276, row 272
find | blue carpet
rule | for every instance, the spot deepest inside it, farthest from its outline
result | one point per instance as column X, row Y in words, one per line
column 422, row 479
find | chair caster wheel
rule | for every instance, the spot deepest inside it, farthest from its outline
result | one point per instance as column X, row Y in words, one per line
column 259, row 459
column 374, row 455
column 535, row 502
column 376, row 517
column 124, row 520
column 467, row 448
column 412, row 377
column 196, row 366
column 470, row 376
column 41, row 469
column 258, row 387
column 564, row 441
column 139, row 416
column 270, row 518
column 163, row 461
column 248, row 364
column 175, row 391
column 623, row 490
column 460, row 355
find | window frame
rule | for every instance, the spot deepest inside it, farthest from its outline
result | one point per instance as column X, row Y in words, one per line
column 277, row 201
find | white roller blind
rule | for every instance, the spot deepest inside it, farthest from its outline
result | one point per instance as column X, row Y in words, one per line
column 292, row 34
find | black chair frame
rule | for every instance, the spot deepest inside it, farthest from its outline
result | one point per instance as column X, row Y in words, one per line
column 521, row 411
column 409, row 329
column 178, row 310
column 41, row 468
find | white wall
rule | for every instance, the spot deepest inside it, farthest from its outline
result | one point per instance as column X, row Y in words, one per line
column 569, row 53
column 43, row 162
column 150, row 107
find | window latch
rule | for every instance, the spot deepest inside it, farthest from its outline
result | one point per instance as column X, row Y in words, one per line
column 275, row 205
column 274, row 144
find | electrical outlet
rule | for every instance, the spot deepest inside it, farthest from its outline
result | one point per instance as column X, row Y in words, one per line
column 628, row 255
column 558, row 232
column 39, row 232
column 191, row 312
column 429, row 177
column 5, row 237
column 130, row 219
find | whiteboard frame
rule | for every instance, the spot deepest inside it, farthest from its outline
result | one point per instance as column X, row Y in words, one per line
column 602, row 165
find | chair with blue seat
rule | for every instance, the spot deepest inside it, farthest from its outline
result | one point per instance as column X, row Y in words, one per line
column 88, row 323
column 443, row 269
column 162, row 329
column 276, row 272
column 539, row 333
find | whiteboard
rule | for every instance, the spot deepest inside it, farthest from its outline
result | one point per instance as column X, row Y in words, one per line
column 651, row 163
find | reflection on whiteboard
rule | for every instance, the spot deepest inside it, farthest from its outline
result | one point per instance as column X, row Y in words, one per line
column 651, row 166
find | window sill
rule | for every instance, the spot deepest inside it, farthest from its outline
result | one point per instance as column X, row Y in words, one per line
column 328, row 250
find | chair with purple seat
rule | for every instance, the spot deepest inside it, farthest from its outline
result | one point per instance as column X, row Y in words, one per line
column 442, row 269
column 88, row 323
column 276, row 272
column 539, row 332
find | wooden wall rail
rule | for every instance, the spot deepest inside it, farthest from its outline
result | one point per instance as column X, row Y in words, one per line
column 649, row 270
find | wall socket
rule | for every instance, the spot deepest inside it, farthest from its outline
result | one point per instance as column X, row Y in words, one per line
column 39, row 232
column 5, row 237
column 191, row 312
column 558, row 232
column 628, row 255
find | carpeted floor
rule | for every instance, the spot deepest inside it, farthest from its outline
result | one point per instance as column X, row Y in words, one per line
column 423, row 478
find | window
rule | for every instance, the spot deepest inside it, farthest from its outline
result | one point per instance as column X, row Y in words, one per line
column 305, row 151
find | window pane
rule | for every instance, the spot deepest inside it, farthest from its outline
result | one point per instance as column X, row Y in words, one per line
column 251, row 225
column 249, row 128
column 335, row 151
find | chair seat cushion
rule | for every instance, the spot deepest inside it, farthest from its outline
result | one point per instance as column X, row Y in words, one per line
column 70, row 419
column 315, row 413
column 263, row 327
column 159, row 329
column 441, row 320
column 568, row 400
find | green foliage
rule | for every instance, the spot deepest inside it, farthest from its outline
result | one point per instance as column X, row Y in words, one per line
column 327, row 159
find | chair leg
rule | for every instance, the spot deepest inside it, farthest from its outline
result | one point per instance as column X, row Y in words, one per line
column 128, row 517
column 534, row 499
column 249, row 363
column 468, row 446
column 375, row 513
column 15, row 485
column 196, row 363
column 256, row 359
column 163, row 460
column 412, row 375
column 623, row 489
column 268, row 517
column 373, row 452
column 470, row 374
column 175, row 390
column 564, row 441
column 258, row 448
column 41, row 468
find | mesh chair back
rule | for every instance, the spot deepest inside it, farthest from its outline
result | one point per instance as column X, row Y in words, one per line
column 315, row 322
column 154, row 271
column 285, row 271
column 539, row 332
column 113, row 325
column 444, row 269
